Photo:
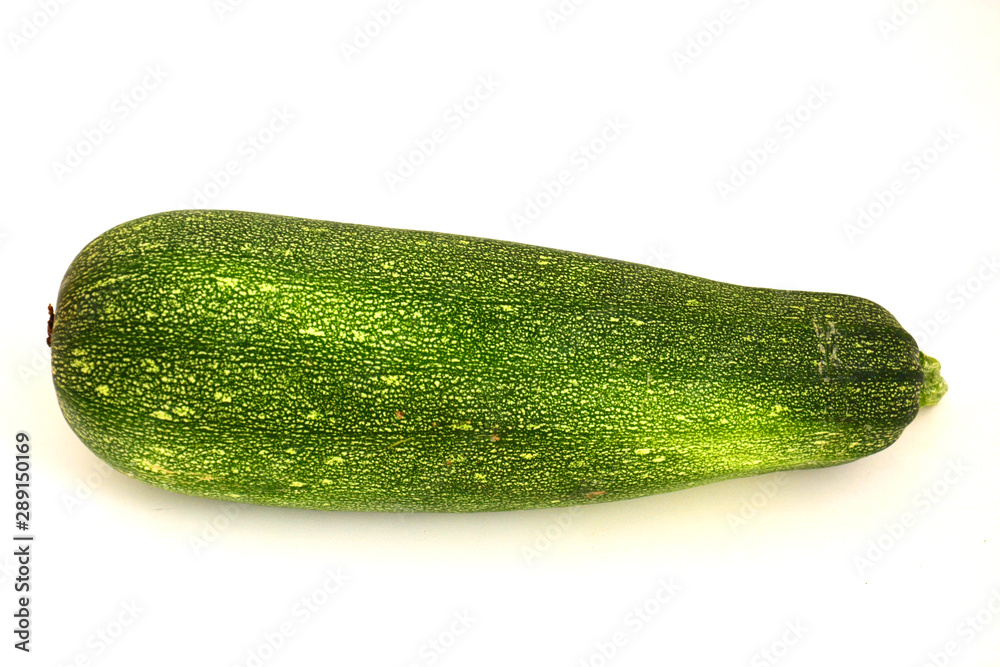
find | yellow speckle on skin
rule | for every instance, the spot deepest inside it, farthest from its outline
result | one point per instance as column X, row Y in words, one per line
column 659, row 459
column 480, row 476
column 291, row 450
column 223, row 398
column 333, row 459
column 160, row 414
column 156, row 468
column 296, row 484
column 311, row 331
column 83, row 366
column 528, row 455
column 643, row 450
column 102, row 389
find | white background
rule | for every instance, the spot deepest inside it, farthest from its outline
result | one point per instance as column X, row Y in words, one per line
column 819, row 551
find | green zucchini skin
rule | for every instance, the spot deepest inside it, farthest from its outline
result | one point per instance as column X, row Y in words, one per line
column 280, row 361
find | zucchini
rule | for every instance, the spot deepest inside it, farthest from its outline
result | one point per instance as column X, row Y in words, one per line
column 281, row 361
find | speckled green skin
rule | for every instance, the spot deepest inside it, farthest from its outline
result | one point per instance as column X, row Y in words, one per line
column 282, row 361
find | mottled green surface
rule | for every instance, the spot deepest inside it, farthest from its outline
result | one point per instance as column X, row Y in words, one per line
column 282, row 361
column 934, row 387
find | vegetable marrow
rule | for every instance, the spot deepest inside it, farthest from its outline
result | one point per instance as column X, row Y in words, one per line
column 281, row 361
